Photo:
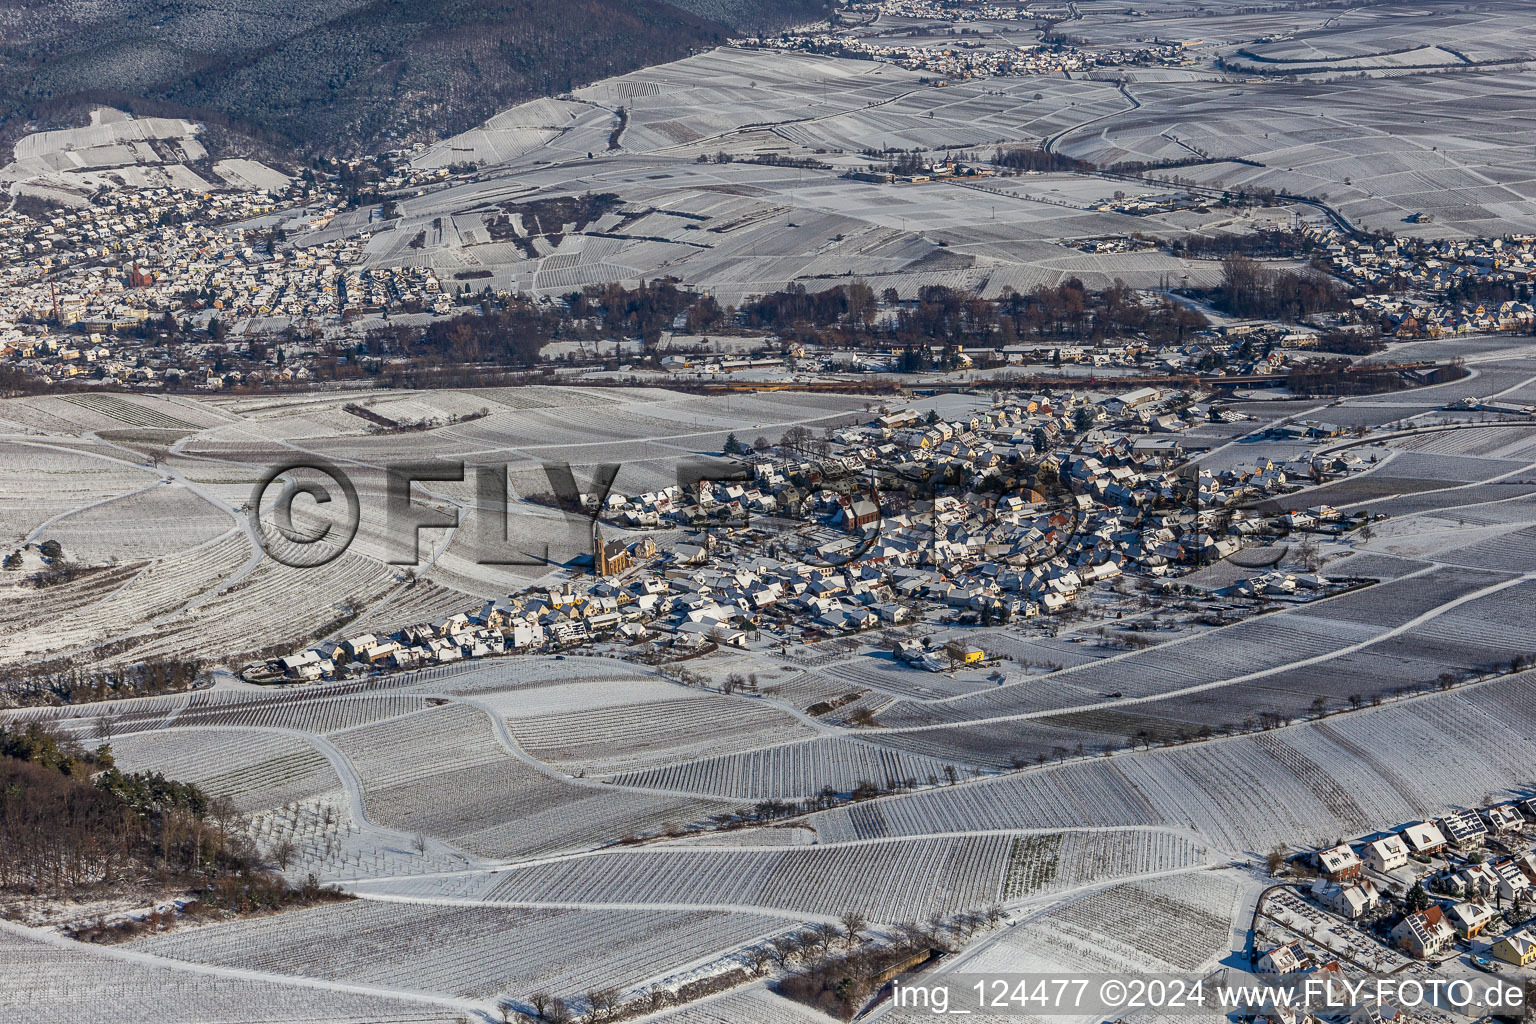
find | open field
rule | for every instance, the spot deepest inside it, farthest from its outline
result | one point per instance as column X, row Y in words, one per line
column 1175, row 923
column 1249, row 792
column 1432, row 126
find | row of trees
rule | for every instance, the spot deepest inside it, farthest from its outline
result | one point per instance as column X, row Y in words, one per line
column 65, row 681
column 943, row 319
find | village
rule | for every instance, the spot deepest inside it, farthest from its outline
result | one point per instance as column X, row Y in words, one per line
column 87, row 288
column 907, row 522
column 965, row 59
column 162, row 289
column 1414, row 284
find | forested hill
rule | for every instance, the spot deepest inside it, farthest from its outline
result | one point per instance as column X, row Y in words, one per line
column 340, row 75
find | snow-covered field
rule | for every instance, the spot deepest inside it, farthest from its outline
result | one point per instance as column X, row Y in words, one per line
column 537, row 824
column 469, row 951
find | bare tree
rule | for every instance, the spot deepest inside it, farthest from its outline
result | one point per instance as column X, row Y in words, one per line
column 283, row 852
column 784, row 949
column 602, row 1001
column 419, row 844
column 558, row 1012
column 103, row 728
column 757, row 958
column 853, row 923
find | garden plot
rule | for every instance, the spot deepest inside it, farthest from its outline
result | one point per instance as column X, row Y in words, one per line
column 442, row 772
column 1179, row 923
column 1339, row 938
column 272, row 604
column 1509, row 513
column 806, row 689
column 1265, row 642
column 1091, row 793
column 256, row 770
column 1444, row 537
column 316, row 709
column 1450, row 500
column 1458, row 469
column 469, row 951
column 33, row 616
column 537, row 698
column 778, row 835
column 1477, row 441
column 504, row 685
column 1416, row 657
column 794, row 770
column 1399, row 31
column 1067, row 860
column 135, row 411
column 76, row 414
column 110, row 602
column 1505, row 551
column 1395, row 479
column 880, row 671
column 633, row 737
column 52, row 983
column 306, row 711
column 1379, row 149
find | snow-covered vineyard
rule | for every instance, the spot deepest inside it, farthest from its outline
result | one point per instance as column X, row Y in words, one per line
column 639, row 829
column 714, row 769
column 422, row 798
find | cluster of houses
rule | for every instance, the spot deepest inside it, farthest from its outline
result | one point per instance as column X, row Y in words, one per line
column 966, row 57
column 1408, row 279
column 1433, row 265
column 132, row 256
column 846, row 538
column 1407, row 319
column 1475, row 885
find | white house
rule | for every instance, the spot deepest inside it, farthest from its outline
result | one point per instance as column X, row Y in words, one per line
column 1424, row 838
column 1387, row 854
